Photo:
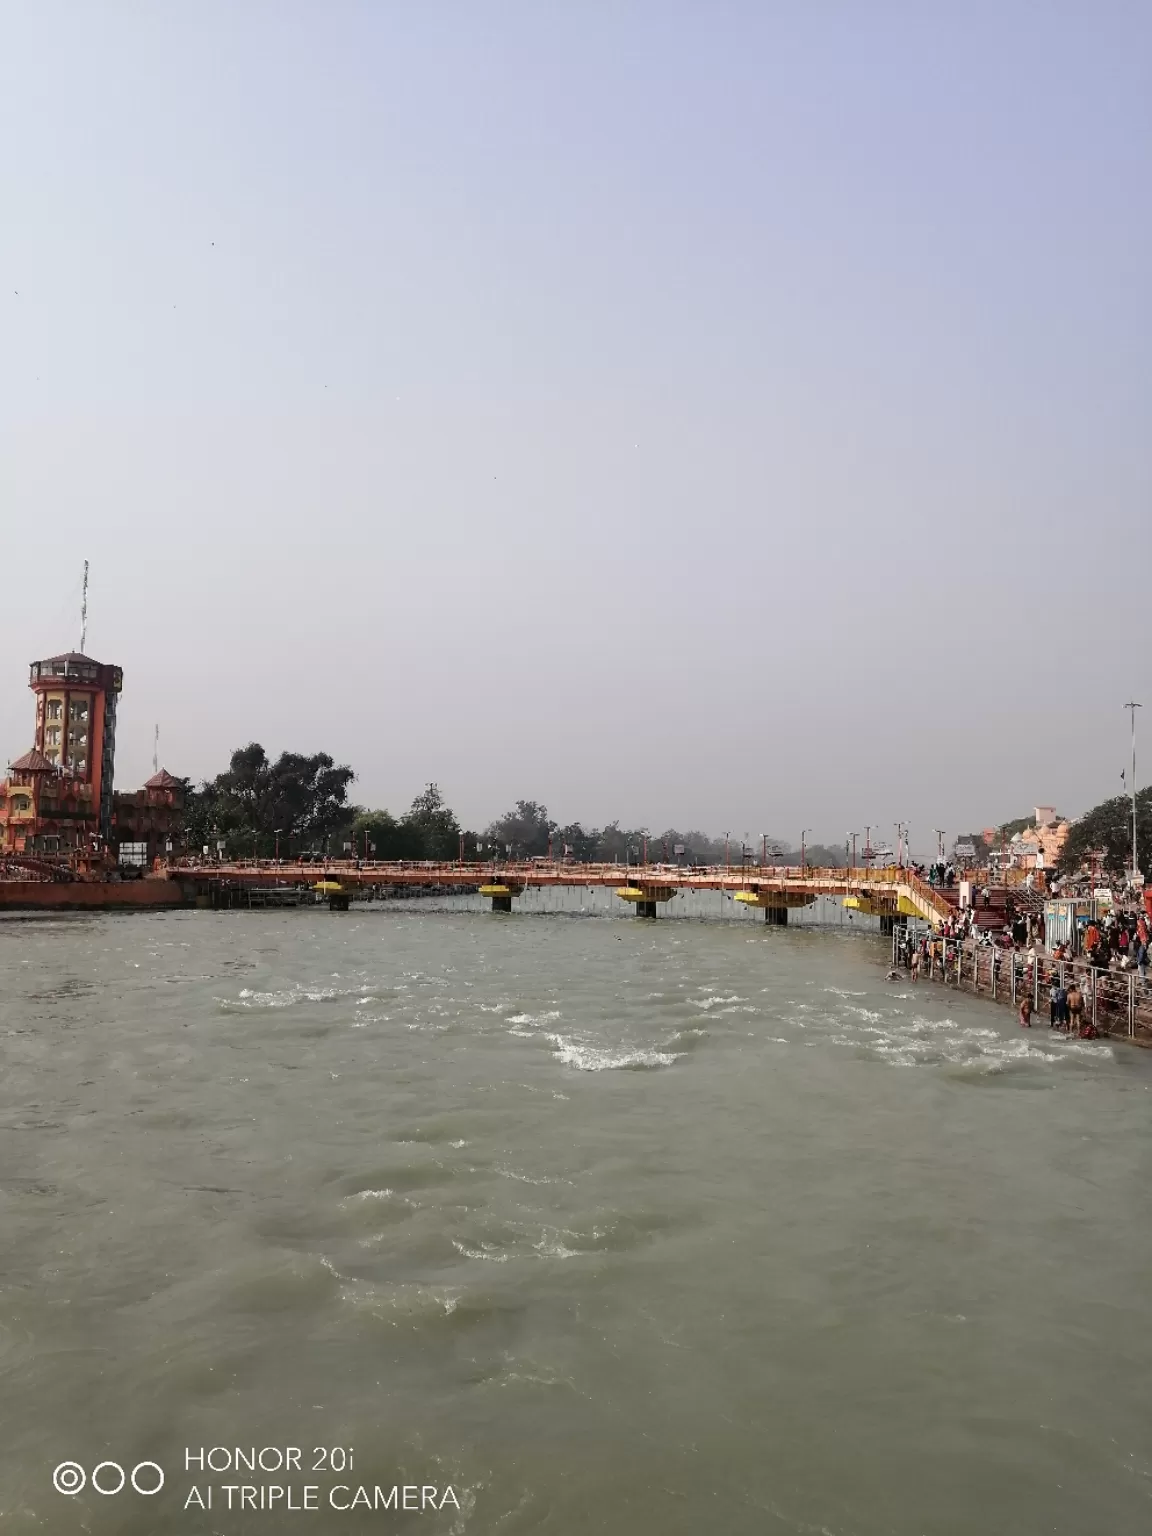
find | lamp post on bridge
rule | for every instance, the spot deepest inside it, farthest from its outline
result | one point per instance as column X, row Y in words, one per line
column 278, row 831
column 804, row 831
column 901, row 841
column 853, row 836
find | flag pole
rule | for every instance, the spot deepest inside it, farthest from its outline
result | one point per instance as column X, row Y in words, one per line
column 1132, row 708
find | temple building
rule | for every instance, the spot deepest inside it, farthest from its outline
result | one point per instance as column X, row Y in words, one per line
column 148, row 821
column 58, row 799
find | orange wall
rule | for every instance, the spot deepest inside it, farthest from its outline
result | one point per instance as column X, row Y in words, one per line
column 65, row 894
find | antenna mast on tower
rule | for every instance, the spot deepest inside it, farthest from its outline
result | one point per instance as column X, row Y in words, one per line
column 84, row 610
column 156, row 750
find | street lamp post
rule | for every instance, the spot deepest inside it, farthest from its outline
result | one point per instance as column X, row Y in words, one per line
column 1132, row 708
column 278, row 832
column 853, row 836
column 804, row 831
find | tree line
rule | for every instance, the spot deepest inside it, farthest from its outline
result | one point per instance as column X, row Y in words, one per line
column 1105, row 833
column 297, row 803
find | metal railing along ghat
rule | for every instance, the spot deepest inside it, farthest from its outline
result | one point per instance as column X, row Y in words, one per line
column 1116, row 1002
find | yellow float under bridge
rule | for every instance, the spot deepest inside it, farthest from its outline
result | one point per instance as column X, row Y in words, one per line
column 776, row 904
column 646, row 897
column 883, row 906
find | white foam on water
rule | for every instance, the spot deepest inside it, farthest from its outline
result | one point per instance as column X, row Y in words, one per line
column 286, row 998
column 900, row 1040
column 480, row 1253
column 591, row 1058
column 553, row 1248
column 715, row 1002
column 526, row 1178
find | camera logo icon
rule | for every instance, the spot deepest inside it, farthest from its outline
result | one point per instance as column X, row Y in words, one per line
column 108, row 1477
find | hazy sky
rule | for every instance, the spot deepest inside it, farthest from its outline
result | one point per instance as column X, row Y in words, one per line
column 733, row 415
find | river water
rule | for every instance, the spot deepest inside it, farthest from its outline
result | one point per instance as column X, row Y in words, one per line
column 606, row 1225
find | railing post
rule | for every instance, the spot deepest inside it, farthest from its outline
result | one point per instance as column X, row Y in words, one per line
column 1132, row 1005
column 1012, row 984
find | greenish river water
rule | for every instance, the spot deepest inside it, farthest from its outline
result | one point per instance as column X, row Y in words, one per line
column 604, row 1225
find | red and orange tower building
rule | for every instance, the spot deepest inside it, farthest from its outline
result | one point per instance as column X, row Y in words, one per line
column 58, row 797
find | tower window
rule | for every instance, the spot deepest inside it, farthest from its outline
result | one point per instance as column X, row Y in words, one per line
column 52, row 735
column 55, row 709
column 78, row 709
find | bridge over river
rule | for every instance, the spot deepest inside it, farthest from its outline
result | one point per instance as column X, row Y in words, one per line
column 888, row 893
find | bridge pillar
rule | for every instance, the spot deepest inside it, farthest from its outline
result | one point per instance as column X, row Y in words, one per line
column 501, row 895
column 776, row 917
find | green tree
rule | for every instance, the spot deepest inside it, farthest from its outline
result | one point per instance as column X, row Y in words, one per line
column 526, row 827
column 1107, row 830
column 378, row 835
column 572, row 841
column 432, row 826
column 256, row 802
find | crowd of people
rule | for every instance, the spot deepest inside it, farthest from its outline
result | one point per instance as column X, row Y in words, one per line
column 1114, row 943
column 1119, row 942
